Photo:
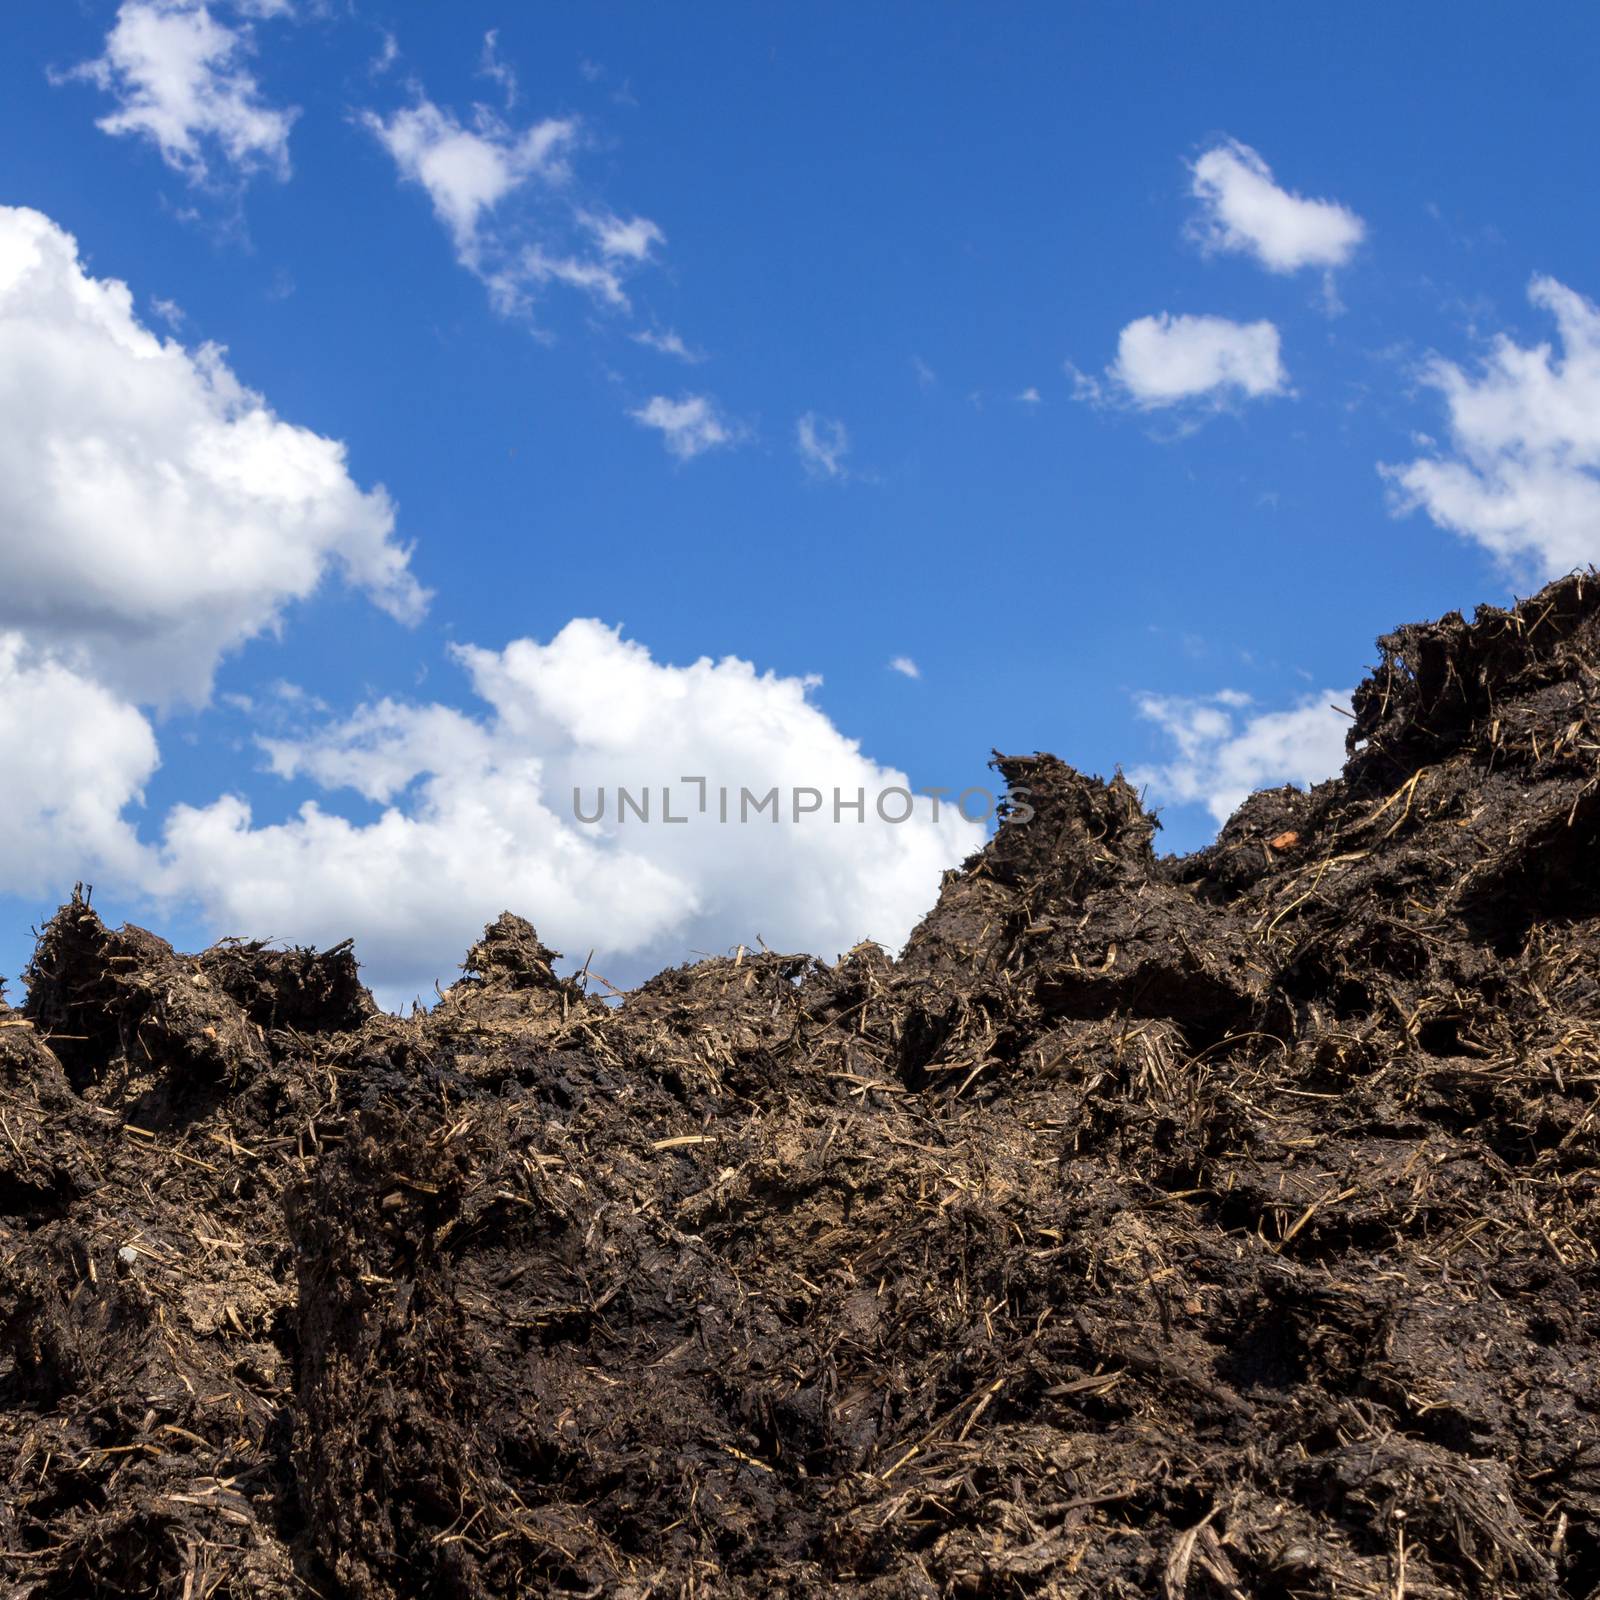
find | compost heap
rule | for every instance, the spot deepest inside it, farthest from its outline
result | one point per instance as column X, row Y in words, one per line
column 1209, row 1226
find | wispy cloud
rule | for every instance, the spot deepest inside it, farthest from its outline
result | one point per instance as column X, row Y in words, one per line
column 536, row 266
column 667, row 342
column 632, row 240
column 822, row 444
column 388, row 54
column 1225, row 751
column 490, row 66
column 506, row 197
column 906, row 667
column 689, row 426
column 180, row 81
column 169, row 311
column 467, row 172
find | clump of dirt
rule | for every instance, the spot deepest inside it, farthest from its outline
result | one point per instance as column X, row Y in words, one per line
column 1212, row 1226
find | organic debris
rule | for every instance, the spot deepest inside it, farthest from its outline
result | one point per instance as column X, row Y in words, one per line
column 1214, row 1226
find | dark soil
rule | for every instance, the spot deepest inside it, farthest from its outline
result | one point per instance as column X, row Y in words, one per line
column 1210, row 1226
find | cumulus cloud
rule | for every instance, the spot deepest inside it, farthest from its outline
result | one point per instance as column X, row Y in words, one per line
column 480, row 813
column 1244, row 211
column 153, row 514
column 1521, row 476
column 156, row 512
column 1167, row 360
column 505, row 197
column 1225, row 751
column 179, row 79
column 689, row 426
column 73, row 757
column 822, row 444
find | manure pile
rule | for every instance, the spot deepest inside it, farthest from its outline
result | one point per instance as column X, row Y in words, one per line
column 1216, row 1226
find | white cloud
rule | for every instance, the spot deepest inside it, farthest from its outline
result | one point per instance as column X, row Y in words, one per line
column 1522, row 475
column 1224, row 754
column 1165, row 360
column 1030, row 397
column 822, row 443
column 475, row 175
column 73, row 757
column 488, row 821
column 1086, row 388
column 467, row 172
column 1244, row 211
column 539, row 267
column 632, row 240
column 668, row 343
column 497, row 71
column 156, row 513
column 388, row 54
column 689, row 426
column 906, row 667
column 178, row 77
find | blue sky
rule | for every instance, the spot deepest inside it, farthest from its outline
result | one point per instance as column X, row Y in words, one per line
column 1056, row 352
